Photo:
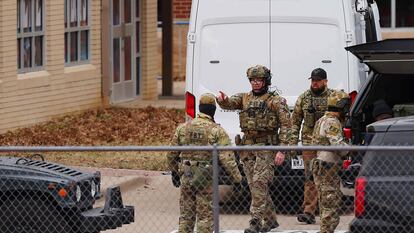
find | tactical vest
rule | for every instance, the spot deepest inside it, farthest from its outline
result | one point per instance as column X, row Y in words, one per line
column 197, row 135
column 196, row 169
column 314, row 108
column 256, row 115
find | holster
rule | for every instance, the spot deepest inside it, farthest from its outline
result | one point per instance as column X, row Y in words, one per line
column 238, row 140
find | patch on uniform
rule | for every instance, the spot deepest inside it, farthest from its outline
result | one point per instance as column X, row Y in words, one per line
column 282, row 100
column 334, row 130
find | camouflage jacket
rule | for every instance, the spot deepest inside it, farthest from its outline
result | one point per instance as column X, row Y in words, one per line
column 202, row 131
column 328, row 131
column 308, row 109
column 274, row 116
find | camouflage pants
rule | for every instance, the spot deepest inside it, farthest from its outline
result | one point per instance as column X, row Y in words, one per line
column 196, row 204
column 327, row 182
column 259, row 170
column 310, row 198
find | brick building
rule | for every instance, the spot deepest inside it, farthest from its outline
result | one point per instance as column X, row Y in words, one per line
column 70, row 55
column 181, row 16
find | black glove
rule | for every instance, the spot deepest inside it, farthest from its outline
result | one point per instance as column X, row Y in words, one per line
column 238, row 187
column 175, row 178
column 244, row 182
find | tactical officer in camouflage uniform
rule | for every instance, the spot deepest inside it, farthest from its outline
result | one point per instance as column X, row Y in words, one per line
column 325, row 168
column 310, row 106
column 264, row 120
column 193, row 170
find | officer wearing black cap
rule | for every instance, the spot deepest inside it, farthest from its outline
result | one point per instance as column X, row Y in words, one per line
column 310, row 106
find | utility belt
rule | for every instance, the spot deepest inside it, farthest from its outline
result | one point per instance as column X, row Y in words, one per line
column 256, row 137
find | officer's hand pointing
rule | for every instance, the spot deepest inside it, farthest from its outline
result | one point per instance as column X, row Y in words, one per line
column 221, row 96
column 279, row 158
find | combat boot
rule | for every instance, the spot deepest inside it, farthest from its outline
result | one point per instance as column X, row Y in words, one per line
column 306, row 218
column 269, row 225
column 254, row 226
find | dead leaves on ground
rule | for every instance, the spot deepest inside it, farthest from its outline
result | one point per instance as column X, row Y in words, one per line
column 114, row 126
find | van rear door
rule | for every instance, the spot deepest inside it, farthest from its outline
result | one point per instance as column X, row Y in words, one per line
column 234, row 35
column 306, row 35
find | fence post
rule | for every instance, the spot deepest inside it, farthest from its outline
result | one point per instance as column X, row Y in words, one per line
column 216, row 207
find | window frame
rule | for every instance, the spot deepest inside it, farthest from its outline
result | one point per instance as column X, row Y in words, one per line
column 393, row 19
column 21, row 35
column 137, row 20
column 78, row 29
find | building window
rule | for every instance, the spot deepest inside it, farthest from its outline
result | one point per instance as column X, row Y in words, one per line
column 396, row 13
column 77, row 32
column 30, row 35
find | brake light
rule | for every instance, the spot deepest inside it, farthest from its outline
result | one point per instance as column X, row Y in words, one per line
column 346, row 163
column 190, row 104
column 347, row 133
column 353, row 95
column 360, row 186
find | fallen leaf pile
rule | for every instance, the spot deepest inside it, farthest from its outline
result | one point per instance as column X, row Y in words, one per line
column 114, row 126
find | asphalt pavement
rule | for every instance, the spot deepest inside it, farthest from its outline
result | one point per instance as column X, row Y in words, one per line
column 156, row 204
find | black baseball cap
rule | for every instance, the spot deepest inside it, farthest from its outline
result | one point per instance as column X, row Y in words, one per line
column 318, row 74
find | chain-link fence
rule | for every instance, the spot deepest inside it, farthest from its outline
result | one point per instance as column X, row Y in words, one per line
column 40, row 196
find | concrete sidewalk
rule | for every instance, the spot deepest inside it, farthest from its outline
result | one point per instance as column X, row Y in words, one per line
column 177, row 100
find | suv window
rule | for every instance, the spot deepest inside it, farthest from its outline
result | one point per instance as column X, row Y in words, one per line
column 390, row 163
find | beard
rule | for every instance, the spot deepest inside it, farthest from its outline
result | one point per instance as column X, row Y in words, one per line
column 319, row 90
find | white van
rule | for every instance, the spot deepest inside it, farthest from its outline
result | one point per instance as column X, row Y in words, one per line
column 291, row 37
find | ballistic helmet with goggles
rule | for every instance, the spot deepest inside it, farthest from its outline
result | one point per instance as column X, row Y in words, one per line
column 259, row 71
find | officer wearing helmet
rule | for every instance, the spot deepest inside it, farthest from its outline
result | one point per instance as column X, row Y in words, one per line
column 264, row 120
column 325, row 168
column 310, row 106
column 192, row 171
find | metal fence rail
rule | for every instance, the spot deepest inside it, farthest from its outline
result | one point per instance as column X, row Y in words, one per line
column 68, row 203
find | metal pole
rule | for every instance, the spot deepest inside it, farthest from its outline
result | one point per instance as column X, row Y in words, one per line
column 167, row 47
column 216, row 207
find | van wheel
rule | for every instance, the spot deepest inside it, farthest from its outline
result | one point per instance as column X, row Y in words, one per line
column 31, row 215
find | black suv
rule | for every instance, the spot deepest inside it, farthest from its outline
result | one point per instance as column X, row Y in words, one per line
column 391, row 63
column 385, row 186
column 39, row 196
column 391, row 78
